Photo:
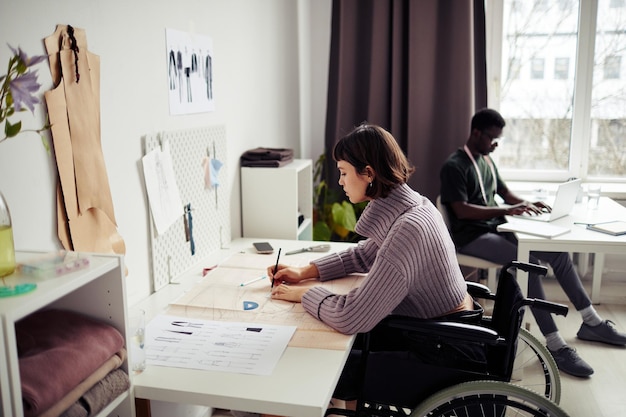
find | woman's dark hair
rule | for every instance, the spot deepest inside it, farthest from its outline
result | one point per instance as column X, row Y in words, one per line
column 372, row 145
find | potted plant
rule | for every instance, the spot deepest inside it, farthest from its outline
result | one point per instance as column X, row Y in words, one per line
column 334, row 217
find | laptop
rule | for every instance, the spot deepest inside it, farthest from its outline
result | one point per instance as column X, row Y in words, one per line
column 563, row 203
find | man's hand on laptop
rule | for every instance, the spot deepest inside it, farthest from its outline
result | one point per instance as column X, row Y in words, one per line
column 528, row 208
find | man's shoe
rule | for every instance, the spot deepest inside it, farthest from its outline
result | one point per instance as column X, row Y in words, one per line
column 569, row 362
column 604, row 332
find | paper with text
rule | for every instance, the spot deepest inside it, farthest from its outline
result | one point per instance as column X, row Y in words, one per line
column 248, row 348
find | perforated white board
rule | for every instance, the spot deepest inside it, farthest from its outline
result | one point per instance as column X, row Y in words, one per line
column 171, row 252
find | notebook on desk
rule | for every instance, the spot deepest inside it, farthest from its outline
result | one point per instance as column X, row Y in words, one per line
column 563, row 203
column 533, row 228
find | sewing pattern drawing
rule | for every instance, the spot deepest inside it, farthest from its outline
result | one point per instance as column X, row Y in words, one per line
column 217, row 346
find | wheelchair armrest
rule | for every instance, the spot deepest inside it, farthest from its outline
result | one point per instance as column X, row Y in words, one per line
column 556, row 308
column 478, row 290
column 445, row 329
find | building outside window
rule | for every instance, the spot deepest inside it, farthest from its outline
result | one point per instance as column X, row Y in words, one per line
column 561, row 68
column 537, row 66
column 575, row 127
column 612, row 67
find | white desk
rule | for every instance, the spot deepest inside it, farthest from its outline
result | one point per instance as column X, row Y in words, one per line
column 579, row 240
column 301, row 385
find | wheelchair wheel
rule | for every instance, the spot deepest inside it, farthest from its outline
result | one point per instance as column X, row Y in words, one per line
column 487, row 399
column 535, row 369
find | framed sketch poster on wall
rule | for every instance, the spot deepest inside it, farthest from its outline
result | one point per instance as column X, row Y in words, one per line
column 189, row 72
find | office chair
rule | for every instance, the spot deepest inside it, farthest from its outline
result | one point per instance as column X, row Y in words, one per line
column 444, row 368
column 468, row 260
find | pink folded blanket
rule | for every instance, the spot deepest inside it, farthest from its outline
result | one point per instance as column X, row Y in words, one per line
column 58, row 349
column 87, row 384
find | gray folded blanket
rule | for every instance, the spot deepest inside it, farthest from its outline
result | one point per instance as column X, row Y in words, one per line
column 266, row 157
column 101, row 394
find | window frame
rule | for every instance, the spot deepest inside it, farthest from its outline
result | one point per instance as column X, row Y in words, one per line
column 583, row 68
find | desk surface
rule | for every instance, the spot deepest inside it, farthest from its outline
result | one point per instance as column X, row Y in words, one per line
column 579, row 235
column 579, row 239
column 302, row 382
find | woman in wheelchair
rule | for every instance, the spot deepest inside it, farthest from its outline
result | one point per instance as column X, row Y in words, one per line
column 411, row 266
column 407, row 252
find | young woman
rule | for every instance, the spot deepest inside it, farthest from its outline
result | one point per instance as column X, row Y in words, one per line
column 407, row 253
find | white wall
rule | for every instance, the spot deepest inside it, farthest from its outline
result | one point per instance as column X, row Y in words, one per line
column 271, row 61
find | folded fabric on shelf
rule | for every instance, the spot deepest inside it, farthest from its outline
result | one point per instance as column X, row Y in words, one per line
column 72, row 397
column 266, row 157
column 57, row 349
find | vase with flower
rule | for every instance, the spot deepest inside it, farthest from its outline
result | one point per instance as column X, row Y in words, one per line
column 17, row 93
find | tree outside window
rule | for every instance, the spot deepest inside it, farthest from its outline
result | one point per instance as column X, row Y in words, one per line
column 553, row 133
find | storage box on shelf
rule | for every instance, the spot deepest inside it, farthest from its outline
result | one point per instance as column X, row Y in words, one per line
column 273, row 199
column 96, row 291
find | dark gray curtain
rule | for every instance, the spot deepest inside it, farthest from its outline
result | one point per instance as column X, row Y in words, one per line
column 415, row 67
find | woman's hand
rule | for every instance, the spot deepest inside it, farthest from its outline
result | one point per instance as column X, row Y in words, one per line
column 289, row 293
column 291, row 274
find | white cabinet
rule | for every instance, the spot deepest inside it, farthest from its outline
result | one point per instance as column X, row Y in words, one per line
column 97, row 291
column 273, row 199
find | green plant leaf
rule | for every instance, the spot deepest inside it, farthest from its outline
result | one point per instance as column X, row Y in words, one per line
column 321, row 231
column 11, row 130
column 343, row 215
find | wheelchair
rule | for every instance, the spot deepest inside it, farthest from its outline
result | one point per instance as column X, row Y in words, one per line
column 477, row 366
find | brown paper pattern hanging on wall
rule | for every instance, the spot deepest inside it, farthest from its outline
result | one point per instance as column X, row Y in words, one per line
column 86, row 219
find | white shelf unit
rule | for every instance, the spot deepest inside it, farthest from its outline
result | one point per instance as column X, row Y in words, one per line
column 272, row 198
column 97, row 291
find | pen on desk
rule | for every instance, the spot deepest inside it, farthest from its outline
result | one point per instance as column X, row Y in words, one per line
column 590, row 224
column 276, row 267
column 243, row 284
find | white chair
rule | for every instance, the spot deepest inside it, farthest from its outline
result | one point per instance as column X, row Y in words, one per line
column 468, row 260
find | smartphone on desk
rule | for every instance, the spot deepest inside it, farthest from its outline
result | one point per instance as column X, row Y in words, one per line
column 263, row 247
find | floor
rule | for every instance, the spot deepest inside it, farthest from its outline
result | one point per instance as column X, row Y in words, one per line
column 603, row 394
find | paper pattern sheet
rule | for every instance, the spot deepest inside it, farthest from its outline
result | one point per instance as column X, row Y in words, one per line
column 163, row 194
column 248, row 348
column 220, row 296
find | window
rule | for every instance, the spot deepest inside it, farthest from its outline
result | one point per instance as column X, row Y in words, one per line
column 575, row 127
column 536, row 68
column 611, row 67
column 514, row 68
column 561, row 68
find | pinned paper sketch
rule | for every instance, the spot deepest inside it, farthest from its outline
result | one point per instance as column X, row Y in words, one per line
column 163, row 194
column 190, row 72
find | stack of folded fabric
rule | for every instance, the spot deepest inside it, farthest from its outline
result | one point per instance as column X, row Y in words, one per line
column 69, row 364
column 266, row 157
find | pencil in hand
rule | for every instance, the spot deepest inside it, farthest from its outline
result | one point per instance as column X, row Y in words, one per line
column 276, row 267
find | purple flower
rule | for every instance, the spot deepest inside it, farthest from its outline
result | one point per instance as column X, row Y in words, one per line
column 22, row 89
column 29, row 62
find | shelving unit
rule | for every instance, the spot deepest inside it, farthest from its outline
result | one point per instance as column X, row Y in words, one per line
column 272, row 199
column 97, row 291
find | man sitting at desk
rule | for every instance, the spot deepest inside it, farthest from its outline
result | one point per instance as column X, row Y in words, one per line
column 469, row 182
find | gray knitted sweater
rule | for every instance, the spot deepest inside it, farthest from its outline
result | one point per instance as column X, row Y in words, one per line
column 410, row 262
